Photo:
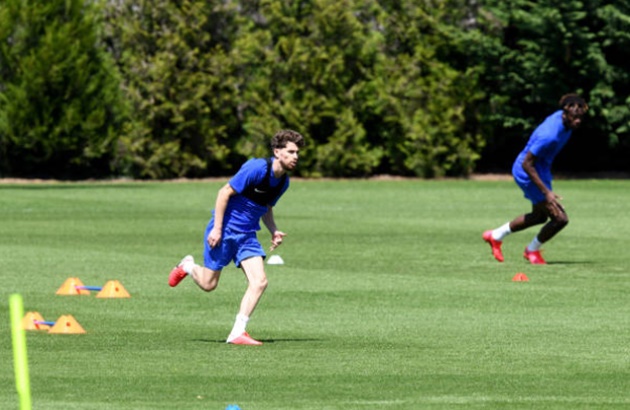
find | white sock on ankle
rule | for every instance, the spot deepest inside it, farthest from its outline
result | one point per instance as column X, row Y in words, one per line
column 501, row 232
column 534, row 245
column 239, row 326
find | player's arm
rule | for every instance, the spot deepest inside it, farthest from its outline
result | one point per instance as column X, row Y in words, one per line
column 551, row 198
column 270, row 223
column 530, row 170
column 223, row 197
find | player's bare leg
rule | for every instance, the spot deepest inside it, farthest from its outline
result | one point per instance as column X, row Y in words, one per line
column 257, row 283
column 541, row 213
column 537, row 216
column 558, row 221
column 206, row 279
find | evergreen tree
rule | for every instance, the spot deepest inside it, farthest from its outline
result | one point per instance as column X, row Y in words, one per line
column 60, row 105
column 364, row 81
column 180, row 84
column 611, row 91
column 431, row 98
column 534, row 52
column 301, row 64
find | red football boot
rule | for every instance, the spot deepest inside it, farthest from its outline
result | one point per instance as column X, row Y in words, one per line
column 178, row 273
column 245, row 339
column 494, row 244
column 534, row 257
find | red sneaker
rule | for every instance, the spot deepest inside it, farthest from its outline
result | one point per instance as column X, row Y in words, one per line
column 534, row 257
column 494, row 244
column 245, row 339
column 178, row 273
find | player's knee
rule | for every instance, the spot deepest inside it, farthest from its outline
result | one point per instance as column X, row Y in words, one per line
column 209, row 285
column 540, row 219
column 536, row 218
column 263, row 284
column 561, row 221
column 260, row 284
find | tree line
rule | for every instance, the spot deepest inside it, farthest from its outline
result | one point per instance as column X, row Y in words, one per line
column 155, row 89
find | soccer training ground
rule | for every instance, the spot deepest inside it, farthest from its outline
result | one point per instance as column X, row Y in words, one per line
column 388, row 299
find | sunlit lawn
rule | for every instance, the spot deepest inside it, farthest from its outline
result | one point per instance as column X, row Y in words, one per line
column 388, row 299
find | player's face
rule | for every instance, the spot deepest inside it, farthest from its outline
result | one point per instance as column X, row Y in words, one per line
column 288, row 156
column 573, row 117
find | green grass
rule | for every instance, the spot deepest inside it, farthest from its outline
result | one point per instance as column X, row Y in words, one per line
column 388, row 299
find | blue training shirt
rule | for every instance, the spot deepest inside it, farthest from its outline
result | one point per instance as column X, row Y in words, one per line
column 544, row 143
column 243, row 214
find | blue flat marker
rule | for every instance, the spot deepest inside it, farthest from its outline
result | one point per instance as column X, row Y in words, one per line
column 44, row 322
column 89, row 287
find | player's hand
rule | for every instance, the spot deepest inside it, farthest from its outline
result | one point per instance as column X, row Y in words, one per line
column 276, row 239
column 214, row 237
column 554, row 206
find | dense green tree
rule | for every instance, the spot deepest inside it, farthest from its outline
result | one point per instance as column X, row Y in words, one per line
column 363, row 81
column 429, row 100
column 301, row 62
column 180, row 84
column 211, row 81
column 611, row 92
column 534, row 52
column 377, row 86
column 60, row 105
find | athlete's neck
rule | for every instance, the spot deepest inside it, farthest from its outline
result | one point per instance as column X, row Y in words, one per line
column 278, row 169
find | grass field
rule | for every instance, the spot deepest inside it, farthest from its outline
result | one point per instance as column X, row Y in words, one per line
column 388, row 299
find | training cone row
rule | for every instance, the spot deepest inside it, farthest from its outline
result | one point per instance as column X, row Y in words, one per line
column 66, row 324
column 74, row 287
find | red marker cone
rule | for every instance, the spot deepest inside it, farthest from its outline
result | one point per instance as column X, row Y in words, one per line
column 520, row 277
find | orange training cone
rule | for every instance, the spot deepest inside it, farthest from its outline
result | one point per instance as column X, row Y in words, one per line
column 113, row 289
column 67, row 324
column 31, row 321
column 69, row 287
column 520, row 277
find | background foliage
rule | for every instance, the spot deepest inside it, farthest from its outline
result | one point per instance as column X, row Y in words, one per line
column 158, row 89
column 60, row 102
column 543, row 49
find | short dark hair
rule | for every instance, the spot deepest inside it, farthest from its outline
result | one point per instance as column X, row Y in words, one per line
column 573, row 102
column 282, row 137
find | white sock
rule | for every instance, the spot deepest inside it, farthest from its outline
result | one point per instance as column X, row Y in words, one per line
column 534, row 245
column 239, row 326
column 188, row 263
column 501, row 232
column 188, row 267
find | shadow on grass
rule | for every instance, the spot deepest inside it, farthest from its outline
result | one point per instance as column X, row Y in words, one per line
column 262, row 340
column 570, row 262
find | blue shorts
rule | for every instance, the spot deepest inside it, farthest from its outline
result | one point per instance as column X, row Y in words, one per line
column 532, row 192
column 234, row 246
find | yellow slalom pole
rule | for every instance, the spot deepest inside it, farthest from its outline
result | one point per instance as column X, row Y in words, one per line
column 20, row 357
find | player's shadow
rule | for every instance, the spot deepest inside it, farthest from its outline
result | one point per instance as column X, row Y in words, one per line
column 570, row 262
column 288, row 340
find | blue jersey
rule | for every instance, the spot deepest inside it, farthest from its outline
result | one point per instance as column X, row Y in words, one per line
column 243, row 214
column 544, row 143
